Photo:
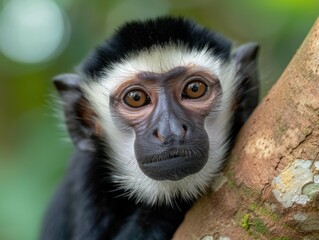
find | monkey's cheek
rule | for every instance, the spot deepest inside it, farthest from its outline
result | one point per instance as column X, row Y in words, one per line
column 173, row 169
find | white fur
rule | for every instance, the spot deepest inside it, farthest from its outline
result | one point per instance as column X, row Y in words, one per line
column 126, row 172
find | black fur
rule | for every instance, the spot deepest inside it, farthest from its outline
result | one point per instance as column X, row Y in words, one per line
column 137, row 35
column 88, row 205
column 247, row 78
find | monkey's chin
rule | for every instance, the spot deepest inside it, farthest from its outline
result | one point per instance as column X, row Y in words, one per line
column 174, row 168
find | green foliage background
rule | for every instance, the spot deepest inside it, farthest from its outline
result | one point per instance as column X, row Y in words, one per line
column 33, row 157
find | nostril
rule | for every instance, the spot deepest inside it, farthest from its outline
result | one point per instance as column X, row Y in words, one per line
column 158, row 135
column 184, row 128
column 155, row 133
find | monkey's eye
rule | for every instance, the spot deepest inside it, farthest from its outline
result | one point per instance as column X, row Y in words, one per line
column 136, row 99
column 194, row 89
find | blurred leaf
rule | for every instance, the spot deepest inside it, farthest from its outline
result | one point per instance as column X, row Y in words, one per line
column 28, row 177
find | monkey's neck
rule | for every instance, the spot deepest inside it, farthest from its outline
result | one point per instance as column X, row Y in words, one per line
column 96, row 181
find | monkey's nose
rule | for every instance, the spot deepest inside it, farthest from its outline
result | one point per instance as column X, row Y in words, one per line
column 168, row 136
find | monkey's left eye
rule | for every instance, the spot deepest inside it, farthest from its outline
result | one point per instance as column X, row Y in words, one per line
column 194, row 89
column 136, row 99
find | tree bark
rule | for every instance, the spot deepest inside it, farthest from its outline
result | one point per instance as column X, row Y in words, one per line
column 270, row 188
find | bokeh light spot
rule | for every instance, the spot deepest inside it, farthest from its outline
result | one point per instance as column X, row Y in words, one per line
column 32, row 31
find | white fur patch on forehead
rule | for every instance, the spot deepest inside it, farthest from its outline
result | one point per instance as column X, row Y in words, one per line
column 159, row 60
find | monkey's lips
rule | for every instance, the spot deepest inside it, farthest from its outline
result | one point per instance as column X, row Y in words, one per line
column 173, row 164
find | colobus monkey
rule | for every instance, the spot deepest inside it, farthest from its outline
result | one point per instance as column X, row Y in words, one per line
column 152, row 113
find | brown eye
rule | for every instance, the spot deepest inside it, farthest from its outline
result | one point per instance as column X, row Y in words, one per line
column 136, row 99
column 195, row 89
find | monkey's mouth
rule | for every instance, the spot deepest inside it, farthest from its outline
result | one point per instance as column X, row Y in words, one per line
column 169, row 154
column 173, row 164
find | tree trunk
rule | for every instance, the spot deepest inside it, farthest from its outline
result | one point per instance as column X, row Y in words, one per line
column 270, row 188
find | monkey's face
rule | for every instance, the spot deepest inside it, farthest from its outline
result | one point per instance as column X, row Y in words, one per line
column 161, row 114
column 167, row 111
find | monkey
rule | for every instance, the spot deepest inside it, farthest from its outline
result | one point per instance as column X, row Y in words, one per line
column 152, row 112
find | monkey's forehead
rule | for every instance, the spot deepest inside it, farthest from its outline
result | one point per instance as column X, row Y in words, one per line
column 159, row 60
column 140, row 36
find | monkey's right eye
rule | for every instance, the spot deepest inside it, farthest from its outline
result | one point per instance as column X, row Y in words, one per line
column 136, row 99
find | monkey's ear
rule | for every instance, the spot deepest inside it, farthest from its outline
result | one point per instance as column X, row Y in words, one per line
column 79, row 117
column 247, row 93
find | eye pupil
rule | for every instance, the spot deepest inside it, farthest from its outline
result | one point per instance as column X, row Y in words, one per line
column 194, row 87
column 136, row 97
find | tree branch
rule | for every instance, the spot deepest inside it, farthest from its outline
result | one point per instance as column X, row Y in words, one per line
column 270, row 188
